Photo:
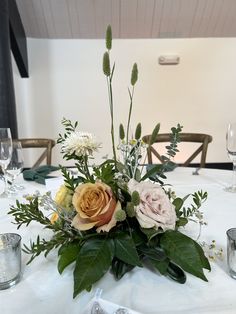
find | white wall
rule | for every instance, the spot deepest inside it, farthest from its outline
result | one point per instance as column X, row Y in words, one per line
column 66, row 79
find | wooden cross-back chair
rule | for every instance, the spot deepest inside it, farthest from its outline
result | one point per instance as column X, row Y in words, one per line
column 48, row 144
column 203, row 139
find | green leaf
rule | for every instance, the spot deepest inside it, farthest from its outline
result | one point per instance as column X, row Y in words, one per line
column 153, row 170
column 178, row 203
column 153, row 253
column 120, row 268
column 182, row 251
column 176, row 273
column 125, row 250
column 68, row 254
column 151, row 232
column 182, row 221
column 204, row 260
column 93, row 261
column 161, row 266
column 138, row 237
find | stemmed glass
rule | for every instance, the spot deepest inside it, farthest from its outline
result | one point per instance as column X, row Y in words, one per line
column 231, row 150
column 15, row 166
column 5, row 152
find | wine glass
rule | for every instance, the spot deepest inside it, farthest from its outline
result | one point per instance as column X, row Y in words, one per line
column 5, row 152
column 231, row 150
column 15, row 166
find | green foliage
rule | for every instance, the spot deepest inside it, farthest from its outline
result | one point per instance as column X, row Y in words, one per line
column 175, row 273
column 154, row 253
column 24, row 214
column 93, row 261
column 67, row 255
column 105, row 172
column 174, row 140
column 69, row 128
column 161, row 266
column 182, row 250
column 70, row 182
column 151, row 232
column 42, row 245
column 120, row 268
column 187, row 213
column 153, row 171
column 125, row 250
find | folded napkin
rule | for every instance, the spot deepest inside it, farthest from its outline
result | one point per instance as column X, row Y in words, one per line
column 100, row 306
column 39, row 174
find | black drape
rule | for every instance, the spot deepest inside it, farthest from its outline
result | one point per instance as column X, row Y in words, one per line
column 7, row 95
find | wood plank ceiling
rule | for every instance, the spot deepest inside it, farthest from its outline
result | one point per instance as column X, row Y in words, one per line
column 129, row 18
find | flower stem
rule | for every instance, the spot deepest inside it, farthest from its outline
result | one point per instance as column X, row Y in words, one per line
column 130, row 111
column 86, row 169
column 109, row 85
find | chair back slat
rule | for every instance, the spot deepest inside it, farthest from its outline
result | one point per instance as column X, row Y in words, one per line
column 48, row 144
column 204, row 139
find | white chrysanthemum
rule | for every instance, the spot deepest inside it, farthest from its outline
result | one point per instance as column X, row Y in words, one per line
column 80, row 143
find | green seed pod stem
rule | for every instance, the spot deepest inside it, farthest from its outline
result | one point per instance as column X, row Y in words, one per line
column 120, row 215
column 154, row 134
column 134, row 74
column 130, row 210
column 109, row 37
column 106, row 64
column 138, row 131
column 122, row 131
column 135, row 198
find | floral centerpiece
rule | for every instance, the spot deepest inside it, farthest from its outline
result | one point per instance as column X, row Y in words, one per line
column 112, row 216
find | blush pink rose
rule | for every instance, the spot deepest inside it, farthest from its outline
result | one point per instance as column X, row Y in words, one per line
column 155, row 209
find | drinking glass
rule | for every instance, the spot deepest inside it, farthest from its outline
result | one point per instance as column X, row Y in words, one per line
column 10, row 259
column 231, row 150
column 15, row 166
column 5, row 151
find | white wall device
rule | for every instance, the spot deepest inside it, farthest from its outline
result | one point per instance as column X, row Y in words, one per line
column 169, row 60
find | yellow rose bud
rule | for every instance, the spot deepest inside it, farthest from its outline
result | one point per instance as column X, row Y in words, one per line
column 64, row 197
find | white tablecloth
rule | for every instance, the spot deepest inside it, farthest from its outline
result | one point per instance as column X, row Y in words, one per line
column 43, row 290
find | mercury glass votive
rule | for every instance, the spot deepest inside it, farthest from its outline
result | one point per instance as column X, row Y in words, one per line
column 10, row 260
column 231, row 251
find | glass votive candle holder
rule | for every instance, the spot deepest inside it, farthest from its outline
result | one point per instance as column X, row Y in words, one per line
column 10, row 260
column 231, row 252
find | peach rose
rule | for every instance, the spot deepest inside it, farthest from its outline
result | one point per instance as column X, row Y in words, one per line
column 96, row 206
column 155, row 209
